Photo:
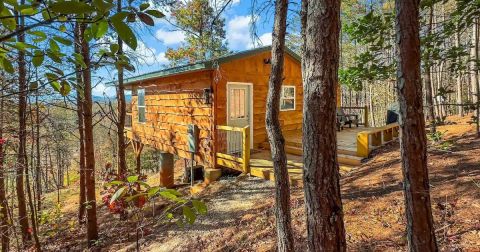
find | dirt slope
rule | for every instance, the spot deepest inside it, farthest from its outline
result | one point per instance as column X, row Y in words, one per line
column 241, row 217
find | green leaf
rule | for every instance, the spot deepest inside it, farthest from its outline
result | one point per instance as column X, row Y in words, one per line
column 9, row 22
column 199, row 206
column 102, row 5
column 7, row 66
column 101, row 29
column 132, row 179
column 114, row 48
column 115, row 182
column 55, row 56
column 65, row 88
column 125, row 33
column 189, row 214
column 71, row 7
column 117, row 194
column 55, row 85
column 53, row 45
column 38, row 58
column 63, row 28
column 40, row 36
column 153, row 191
column 144, row 6
column 155, row 13
column 146, row 19
column 64, row 41
column 28, row 11
column 78, row 59
column 120, row 16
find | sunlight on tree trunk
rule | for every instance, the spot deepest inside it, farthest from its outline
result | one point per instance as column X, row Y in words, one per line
column 274, row 131
column 320, row 56
column 413, row 142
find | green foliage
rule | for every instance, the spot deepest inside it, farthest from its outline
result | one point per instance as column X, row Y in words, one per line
column 374, row 31
column 130, row 194
column 97, row 15
column 204, row 32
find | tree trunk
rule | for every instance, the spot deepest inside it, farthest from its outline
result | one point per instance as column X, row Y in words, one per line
column 122, row 110
column 459, row 78
column 22, row 137
column 91, row 204
column 274, row 131
column 428, row 80
column 476, row 27
column 81, row 133
column 4, row 225
column 320, row 28
column 420, row 230
column 38, row 170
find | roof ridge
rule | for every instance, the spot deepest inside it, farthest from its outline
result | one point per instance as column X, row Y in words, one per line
column 202, row 65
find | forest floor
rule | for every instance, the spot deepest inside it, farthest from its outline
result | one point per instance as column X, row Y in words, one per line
column 240, row 209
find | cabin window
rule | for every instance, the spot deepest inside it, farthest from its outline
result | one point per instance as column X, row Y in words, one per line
column 287, row 98
column 141, row 105
column 237, row 103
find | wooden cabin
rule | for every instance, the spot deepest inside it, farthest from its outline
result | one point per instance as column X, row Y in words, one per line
column 224, row 98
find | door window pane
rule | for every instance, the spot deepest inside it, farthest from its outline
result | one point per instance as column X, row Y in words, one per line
column 237, row 103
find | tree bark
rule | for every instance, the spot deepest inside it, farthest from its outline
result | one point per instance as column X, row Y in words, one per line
column 274, row 131
column 420, row 230
column 81, row 132
column 22, row 136
column 38, row 170
column 459, row 78
column 428, row 80
column 91, row 204
column 122, row 110
column 321, row 28
column 4, row 230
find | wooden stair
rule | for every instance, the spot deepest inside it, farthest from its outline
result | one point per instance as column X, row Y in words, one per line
column 262, row 168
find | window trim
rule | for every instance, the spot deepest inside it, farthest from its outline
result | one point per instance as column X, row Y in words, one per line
column 294, row 97
column 144, row 106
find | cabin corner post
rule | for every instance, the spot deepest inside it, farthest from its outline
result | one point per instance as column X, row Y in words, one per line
column 246, row 149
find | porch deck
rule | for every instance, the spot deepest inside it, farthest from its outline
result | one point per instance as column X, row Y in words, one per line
column 354, row 144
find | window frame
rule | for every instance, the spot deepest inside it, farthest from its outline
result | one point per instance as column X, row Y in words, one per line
column 144, row 106
column 294, row 98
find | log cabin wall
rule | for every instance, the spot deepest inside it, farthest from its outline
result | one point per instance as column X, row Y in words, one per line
column 253, row 69
column 171, row 103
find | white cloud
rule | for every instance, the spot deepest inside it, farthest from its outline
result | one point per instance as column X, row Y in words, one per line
column 103, row 90
column 148, row 55
column 239, row 36
column 238, row 32
column 264, row 39
column 235, row 2
column 170, row 37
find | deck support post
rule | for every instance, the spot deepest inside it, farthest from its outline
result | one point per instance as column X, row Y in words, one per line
column 246, row 149
column 137, row 148
column 363, row 144
column 366, row 116
column 166, row 170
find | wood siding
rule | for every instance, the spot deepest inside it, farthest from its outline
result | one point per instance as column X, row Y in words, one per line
column 253, row 70
column 171, row 104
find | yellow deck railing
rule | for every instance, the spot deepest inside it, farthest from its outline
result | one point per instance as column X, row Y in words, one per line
column 233, row 147
column 368, row 140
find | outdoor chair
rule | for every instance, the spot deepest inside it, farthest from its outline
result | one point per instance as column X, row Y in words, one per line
column 344, row 119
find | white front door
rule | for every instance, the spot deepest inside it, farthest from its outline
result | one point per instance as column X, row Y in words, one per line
column 238, row 113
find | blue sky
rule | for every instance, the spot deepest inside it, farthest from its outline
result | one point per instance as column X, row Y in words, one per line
column 154, row 41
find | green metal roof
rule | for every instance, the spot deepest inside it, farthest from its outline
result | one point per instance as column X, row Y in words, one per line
column 203, row 65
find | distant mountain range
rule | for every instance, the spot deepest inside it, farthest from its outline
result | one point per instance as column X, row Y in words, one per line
column 102, row 99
